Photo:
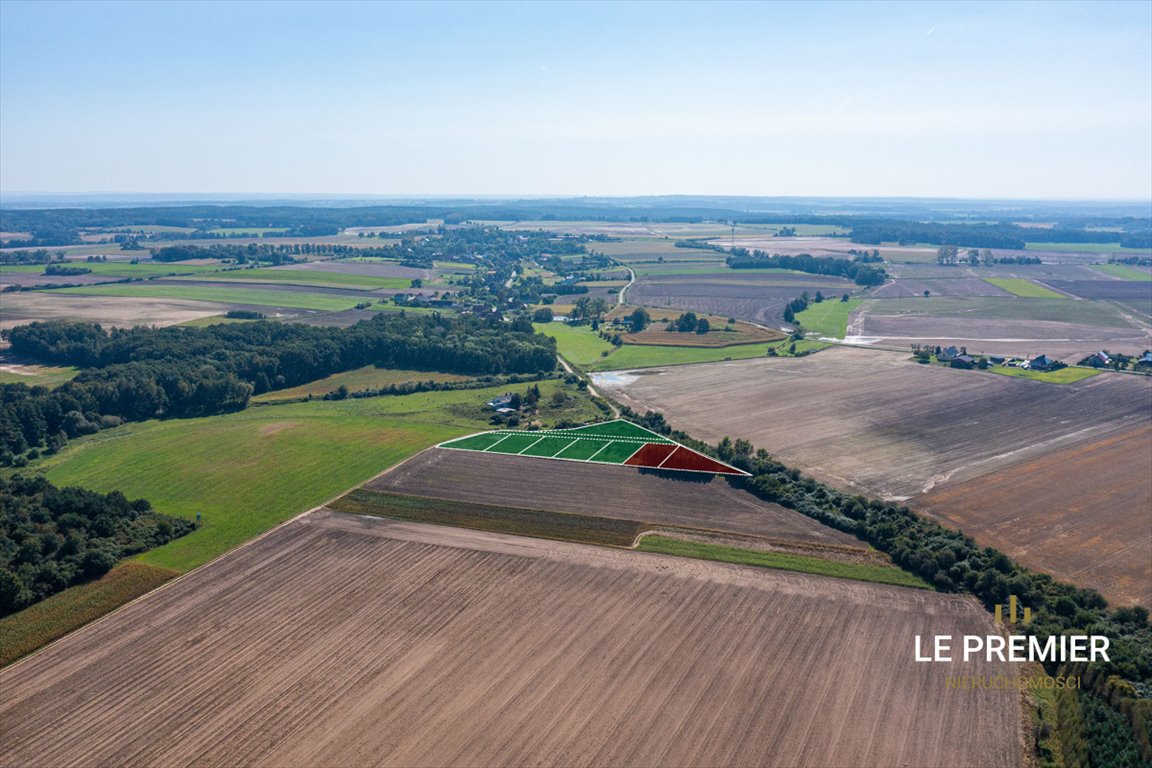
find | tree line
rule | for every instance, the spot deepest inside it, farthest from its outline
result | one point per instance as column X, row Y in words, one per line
column 52, row 538
column 857, row 270
column 141, row 373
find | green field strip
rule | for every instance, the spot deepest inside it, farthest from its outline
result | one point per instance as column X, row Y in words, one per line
column 1024, row 288
column 513, row 443
column 475, row 442
column 1123, row 272
column 616, row 452
column 547, row 447
column 581, row 450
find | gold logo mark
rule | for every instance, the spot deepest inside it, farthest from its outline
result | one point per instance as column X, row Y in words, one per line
column 1012, row 602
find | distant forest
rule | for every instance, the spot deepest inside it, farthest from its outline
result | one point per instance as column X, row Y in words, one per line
column 869, row 222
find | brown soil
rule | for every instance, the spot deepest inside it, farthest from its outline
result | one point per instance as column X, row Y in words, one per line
column 339, row 641
column 1083, row 514
column 690, row 499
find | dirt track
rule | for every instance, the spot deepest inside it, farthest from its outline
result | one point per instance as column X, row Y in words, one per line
column 345, row 642
column 668, row 498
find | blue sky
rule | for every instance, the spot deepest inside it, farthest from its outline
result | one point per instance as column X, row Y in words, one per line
column 1037, row 100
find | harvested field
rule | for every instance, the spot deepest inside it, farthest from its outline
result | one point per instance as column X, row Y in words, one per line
column 951, row 286
column 28, row 279
column 1130, row 292
column 419, row 645
column 898, row 429
column 110, row 311
column 1013, row 326
column 1083, row 513
column 829, row 246
column 692, row 500
column 755, row 295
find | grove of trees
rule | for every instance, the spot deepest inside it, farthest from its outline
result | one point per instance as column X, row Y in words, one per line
column 52, row 538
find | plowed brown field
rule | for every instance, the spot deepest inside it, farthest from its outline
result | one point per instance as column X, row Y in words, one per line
column 1055, row 474
column 342, row 641
column 1083, row 513
column 693, row 500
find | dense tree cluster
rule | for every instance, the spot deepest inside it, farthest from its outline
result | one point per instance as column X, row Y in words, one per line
column 52, row 538
column 241, row 254
column 798, row 304
column 140, row 373
column 64, row 270
column 856, row 269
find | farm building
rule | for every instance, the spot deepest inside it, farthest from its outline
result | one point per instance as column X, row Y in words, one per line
column 948, row 354
column 501, row 403
column 996, row 359
column 963, row 361
column 1041, row 363
column 1097, row 360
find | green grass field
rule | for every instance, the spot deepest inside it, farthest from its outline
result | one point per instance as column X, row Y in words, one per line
column 578, row 344
column 880, row 574
column 1124, row 272
column 39, row 375
column 1067, row 375
column 368, row 377
column 454, row 266
column 541, row 524
column 226, row 295
column 308, row 277
column 249, row 471
column 828, row 318
column 204, row 322
column 1019, row 286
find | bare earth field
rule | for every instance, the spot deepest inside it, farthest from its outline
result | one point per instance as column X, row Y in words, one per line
column 371, row 269
column 1132, row 293
column 874, row 420
column 754, row 295
column 1098, row 535
column 828, row 246
column 1065, row 328
column 119, row 312
column 1050, row 473
column 9, row 277
column 413, row 645
column 668, row 498
column 953, row 286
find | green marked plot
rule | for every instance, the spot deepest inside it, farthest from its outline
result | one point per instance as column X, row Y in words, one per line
column 475, row 442
column 513, row 443
column 1024, row 288
column 549, row 446
column 617, row 452
column 618, row 429
column 581, row 449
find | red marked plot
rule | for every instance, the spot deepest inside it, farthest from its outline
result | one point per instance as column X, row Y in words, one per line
column 683, row 458
column 650, row 455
